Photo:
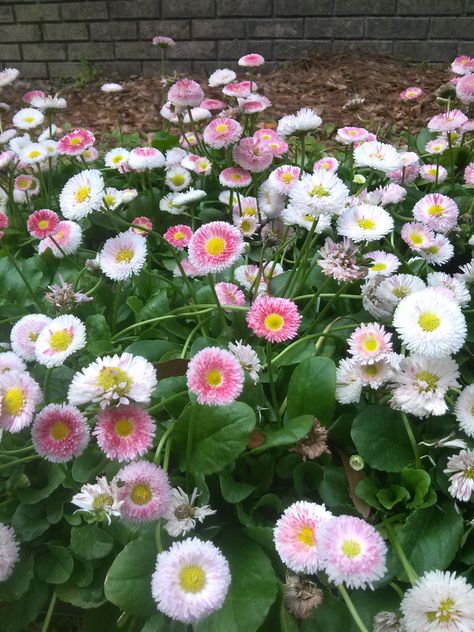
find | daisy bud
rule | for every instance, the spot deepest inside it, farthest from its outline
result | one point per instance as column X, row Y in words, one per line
column 356, row 462
column 301, row 596
column 359, row 178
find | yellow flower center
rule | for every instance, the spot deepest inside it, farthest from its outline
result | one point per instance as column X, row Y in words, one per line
column 469, row 473
column 75, row 140
column 177, row 179
column 59, row 431
column 101, row 501
column 318, row 191
column 378, row 267
column 432, row 250
column 60, row 340
column 43, row 223
column 83, row 193
column 248, row 211
column 112, row 378
column 435, row 209
column 236, row 176
column 306, row 535
column 34, row 153
column 370, row 369
column 431, row 171
column 28, row 119
column 192, row 578
column 109, row 199
column 445, row 612
column 215, row 246
column 428, row 321
column 33, row 336
column 214, row 378
column 274, row 322
column 13, row 401
column 429, row 379
column 400, row 292
column 117, row 159
column 124, row 256
column 351, row 548
column 366, row 223
column 371, row 345
column 416, row 239
column 246, row 226
column 123, row 427
column 178, row 235
column 286, row 178
column 222, row 127
column 141, row 494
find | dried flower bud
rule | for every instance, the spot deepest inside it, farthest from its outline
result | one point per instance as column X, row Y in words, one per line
column 314, row 444
column 387, row 622
column 301, row 596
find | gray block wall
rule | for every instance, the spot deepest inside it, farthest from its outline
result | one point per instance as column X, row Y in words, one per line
column 49, row 38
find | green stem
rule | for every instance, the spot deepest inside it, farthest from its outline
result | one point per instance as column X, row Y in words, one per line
column 159, row 546
column 166, row 434
column 352, row 609
column 160, row 318
column 163, row 403
column 25, row 459
column 408, row 568
column 219, row 306
column 272, row 383
column 116, row 305
column 24, row 279
column 49, row 614
column 189, row 447
column 46, row 381
column 413, row 442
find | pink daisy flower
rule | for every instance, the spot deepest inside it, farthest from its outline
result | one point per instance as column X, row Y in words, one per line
column 145, row 491
column 19, row 395
column 178, row 236
column 142, row 158
column 162, row 41
column 212, row 104
column 189, row 139
column 437, row 146
column 469, row 174
column 5, row 158
column 186, row 93
column 352, row 552
column 235, row 178
column 447, row 122
column 433, row 173
column 42, row 223
column 462, row 65
column 251, row 60
column 270, row 140
column 24, row 335
column 383, row 263
column 465, row 89
column 417, row 236
column 405, row 175
column 284, row 177
column 222, row 132
column 328, row 164
column 275, row 319
column 67, row 234
column 229, row 294
column 411, row 94
column 255, row 103
column 189, row 269
column 296, row 536
column 124, row 433
column 139, row 224
column 74, row 143
column 370, row 343
column 215, row 377
column 215, row 247
column 253, row 155
column 241, row 89
column 351, row 134
column 3, row 223
column 29, row 96
column 60, row 433
column 438, row 212
column 23, row 182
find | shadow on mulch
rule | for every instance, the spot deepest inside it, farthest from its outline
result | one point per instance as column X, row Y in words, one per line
column 326, row 83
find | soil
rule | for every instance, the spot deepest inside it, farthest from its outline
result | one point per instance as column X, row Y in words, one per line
column 326, row 83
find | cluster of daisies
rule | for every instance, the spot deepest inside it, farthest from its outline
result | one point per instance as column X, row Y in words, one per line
column 272, row 195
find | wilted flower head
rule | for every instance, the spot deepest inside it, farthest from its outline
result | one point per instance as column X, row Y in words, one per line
column 64, row 297
column 301, row 596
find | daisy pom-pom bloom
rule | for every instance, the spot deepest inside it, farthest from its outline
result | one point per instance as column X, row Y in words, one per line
column 296, row 536
column 8, row 551
column 144, row 490
column 142, row 158
column 24, row 334
column 19, row 396
column 464, row 410
column 430, row 323
column 370, row 343
column 251, row 60
column 215, row 247
column 60, row 433
column 76, row 142
column 215, row 376
column 191, row 580
column 82, row 194
column 65, row 239
column 365, row 222
column 10, row 361
column 275, row 319
column 439, row 602
column 124, row 433
column 229, row 294
column 186, row 93
column 42, row 223
column 438, row 212
column 123, row 256
column 178, row 236
column 59, row 339
column 222, row 132
column 352, row 552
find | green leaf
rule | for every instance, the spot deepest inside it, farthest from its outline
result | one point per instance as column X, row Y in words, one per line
column 98, row 335
column 88, row 465
column 381, row 439
column 312, row 389
column 164, row 141
column 234, row 492
column 152, row 350
column 367, row 490
column 54, row 565
column 17, row 584
column 430, row 538
column 47, row 478
column 293, row 431
column 251, row 593
column 128, row 580
column 29, row 521
column 392, row 495
column 418, row 483
column 157, row 305
column 219, row 434
column 17, row 616
column 329, row 616
column 90, row 542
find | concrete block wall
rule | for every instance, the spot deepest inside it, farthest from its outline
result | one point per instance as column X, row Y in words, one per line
column 49, row 38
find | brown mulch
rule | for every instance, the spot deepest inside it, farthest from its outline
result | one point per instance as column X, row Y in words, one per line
column 326, row 83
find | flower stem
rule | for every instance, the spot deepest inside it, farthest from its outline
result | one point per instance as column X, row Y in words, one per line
column 25, row 459
column 272, row 383
column 413, row 442
column 407, row 567
column 116, row 306
column 166, row 434
column 46, row 382
column 350, row 606
column 49, row 614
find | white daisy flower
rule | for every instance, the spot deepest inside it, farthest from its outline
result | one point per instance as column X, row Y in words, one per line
column 7, row 135
column 28, row 118
column 100, row 498
column 48, row 133
column 174, row 156
column 19, row 396
column 112, row 198
column 82, row 194
column 380, row 156
column 24, row 335
column 8, row 551
column 292, row 217
column 391, row 291
column 19, row 142
column 191, row 196
column 248, row 359
column 59, row 339
column 33, row 153
column 348, row 382
column 382, row 263
column 379, row 373
column 114, row 380
column 123, row 256
column 364, row 223
column 117, row 158
column 320, row 192
column 463, row 409
column 177, row 178
column 454, row 288
column 167, row 204
column 221, row 77
column 182, row 514
column 270, row 202
column 197, row 115
column 10, row 361
column 439, row 602
column 305, row 120
column 49, row 102
column 439, row 252
column 111, row 87
column 50, row 146
column 460, row 467
column 430, row 323
column 8, row 76
column 420, row 385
